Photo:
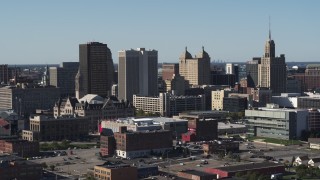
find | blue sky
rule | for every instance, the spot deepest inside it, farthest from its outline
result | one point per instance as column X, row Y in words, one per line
column 37, row 31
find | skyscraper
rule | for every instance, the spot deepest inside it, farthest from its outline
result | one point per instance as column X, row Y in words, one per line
column 195, row 70
column 64, row 77
column 252, row 72
column 168, row 70
column 272, row 69
column 137, row 73
column 95, row 75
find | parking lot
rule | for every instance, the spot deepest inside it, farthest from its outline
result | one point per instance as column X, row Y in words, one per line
column 76, row 163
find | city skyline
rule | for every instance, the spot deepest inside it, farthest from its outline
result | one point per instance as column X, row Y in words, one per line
column 50, row 32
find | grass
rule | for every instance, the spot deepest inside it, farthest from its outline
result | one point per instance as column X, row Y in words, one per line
column 277, row 141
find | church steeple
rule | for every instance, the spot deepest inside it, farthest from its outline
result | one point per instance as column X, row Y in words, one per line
column 269, row 50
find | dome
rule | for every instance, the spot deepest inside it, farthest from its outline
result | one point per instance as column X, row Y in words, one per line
column 92, row 99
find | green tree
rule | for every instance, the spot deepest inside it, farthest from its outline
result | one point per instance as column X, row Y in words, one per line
column 52, row 167
column 44, row 165
column 301, row 171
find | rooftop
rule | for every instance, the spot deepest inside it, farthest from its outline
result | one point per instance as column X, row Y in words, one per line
column 197, row 173
column 249, row 167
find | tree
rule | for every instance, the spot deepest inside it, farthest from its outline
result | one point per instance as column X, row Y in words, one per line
column 44, row 165
column 90, row 176
column 52, row 167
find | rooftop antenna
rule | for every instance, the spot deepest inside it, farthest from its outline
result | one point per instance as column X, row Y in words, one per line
column 269, row 29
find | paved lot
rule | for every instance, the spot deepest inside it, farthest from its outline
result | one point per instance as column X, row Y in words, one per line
column 70, row 165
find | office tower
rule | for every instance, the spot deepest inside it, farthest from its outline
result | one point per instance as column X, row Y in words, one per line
column 229, row 68
column 137, row 73
column 168, row 70
column 252, row 72
column 195, row 70
column 96, row 70
column 4, row 74
column 233, row 69
column 272, row 70
column 64, row 77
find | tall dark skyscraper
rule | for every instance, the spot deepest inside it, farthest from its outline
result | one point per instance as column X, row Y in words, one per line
column 95, row 75
column 137, row 72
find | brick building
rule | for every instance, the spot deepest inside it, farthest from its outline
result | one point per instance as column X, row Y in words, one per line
column 137, row 144
column 266, row 168
column 22, row 148
column 111, row 171
column 201, row 129
column 44, row 128
column 196, row 175
column 13, row 167
column 107, row 143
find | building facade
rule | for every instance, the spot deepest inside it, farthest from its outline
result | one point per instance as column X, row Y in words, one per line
column 137, row 73
column 168, row 70
column 115, row 172
column 235, row 104
column 56, row 129
column 168, row 105
column 195, row 70
column 272, row 71
column 96, row 70
column 26, row 99
column 13, row 167
column 64, row 77
column 93, row 107
column 274, row 122
column 138, row 144
column 21, row 148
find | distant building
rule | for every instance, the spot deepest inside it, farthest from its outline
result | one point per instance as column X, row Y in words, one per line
column 195, row 70
column 168, row 70
column 107, row 145
column 138, row 73
column 235, row 104
column 286, row 100
column 13, row 167
column 252, row 72
column 4, row 74
column 314, row 120
column 177, row 85
column 64, row 77
column 310, row 79
column 272, row 71
column 138, row 144
column 176, row 126
column 43, row 128
column 266, row 168
column 215, row 147
column 93, row 107
column 231, row 129
column 168, row 105
column 217, row 98
column 96, row 70
column 21, row 148
column 193, row 174
column 233, row 69
column 25, row 99
column 275, row 122
column 314, row 143
column 309, row 102
column 111, row 171
column 201, row 130
column 222, row 79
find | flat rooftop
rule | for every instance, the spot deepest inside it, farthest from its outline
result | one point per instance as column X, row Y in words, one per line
column 197, row 173
column 249, row 167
